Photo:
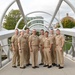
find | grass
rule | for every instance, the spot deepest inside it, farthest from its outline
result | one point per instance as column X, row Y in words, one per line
column 67, row 45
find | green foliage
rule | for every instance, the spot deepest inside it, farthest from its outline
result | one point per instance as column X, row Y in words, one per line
column 67, row 46
column 67, row 23
column 37, row 33
column 11, row 19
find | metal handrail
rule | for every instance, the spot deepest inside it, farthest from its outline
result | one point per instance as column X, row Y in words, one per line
column 8, row 55
column 70, row 42
column 6, row 45
column 73, row 51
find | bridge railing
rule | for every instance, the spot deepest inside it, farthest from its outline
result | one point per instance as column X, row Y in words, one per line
column 69, row 49
column 8, row 57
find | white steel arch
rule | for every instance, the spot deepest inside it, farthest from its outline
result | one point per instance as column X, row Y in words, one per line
column 37, row 20
column 5, row 13
column 40, row 12
column 17, row 24
column 39, row 24
column 47, row 14
column 35, row 24
column 32, row 13
column 57, row 8
column 21, row 10
column 72, row 7
column 34, row 20
column 19, row 5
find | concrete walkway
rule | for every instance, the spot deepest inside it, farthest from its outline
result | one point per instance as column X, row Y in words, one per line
column 68, row 70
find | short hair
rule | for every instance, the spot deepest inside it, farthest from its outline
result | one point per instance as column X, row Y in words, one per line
column 22, row 30
column 42, row 29
column 51, row 29
column 27, row 28
column 58, row 30
column 46, row 32
column 34, row 30
column 16, row 30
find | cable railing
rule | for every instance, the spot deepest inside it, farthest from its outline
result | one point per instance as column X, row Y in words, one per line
column 8, row 58
column 69, row 48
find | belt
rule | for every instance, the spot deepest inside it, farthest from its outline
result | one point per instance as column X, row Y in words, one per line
column 46, row 47
column 56, row 44
column 40, row 45
column 35, row 45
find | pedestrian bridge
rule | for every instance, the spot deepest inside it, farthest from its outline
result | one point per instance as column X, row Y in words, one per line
column 69, row 47
column 69, row 69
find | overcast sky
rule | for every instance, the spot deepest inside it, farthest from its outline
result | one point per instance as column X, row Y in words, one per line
column 39, row 5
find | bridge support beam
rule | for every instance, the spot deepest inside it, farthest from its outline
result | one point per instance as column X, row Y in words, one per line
column 0, row 56
column 21, row 10
column 56, row 10
column 73, row 46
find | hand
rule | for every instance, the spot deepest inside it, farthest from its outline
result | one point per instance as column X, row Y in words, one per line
column 61, row 49
column 49, row 50
column 13, row 49
column 31, row 50
column 42, row 50
column 55, row 49
column 38, row 49
column 20, row 51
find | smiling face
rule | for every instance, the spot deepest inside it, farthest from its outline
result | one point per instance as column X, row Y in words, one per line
column 57, row 31
column 34, row 32
column 22, row 33
column 51, row 31
column 27, row 30
column 46, row 33
column 16, row 31
column 42, row 32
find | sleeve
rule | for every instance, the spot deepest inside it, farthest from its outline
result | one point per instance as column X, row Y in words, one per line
column 12, row 39
column 54, row 41
column 63, row 39
column 51, row 41
column 39, row 37
column 25, row 37
column 19, row 40
column 42, row 41
column 30, row 38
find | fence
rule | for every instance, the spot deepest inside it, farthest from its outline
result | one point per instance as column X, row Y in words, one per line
column 3, row 62
column 69, row 48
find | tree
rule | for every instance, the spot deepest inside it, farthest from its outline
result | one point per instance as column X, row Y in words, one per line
column 11, row 19
column 68, row 22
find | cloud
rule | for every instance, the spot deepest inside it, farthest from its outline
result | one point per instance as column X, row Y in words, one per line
column 44, row 5
column 39, row 5
column 65, row 8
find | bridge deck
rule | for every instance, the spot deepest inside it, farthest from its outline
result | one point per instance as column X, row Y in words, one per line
column 68, row 70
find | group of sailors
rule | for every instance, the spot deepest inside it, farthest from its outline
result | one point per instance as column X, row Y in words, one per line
column 25, row 46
